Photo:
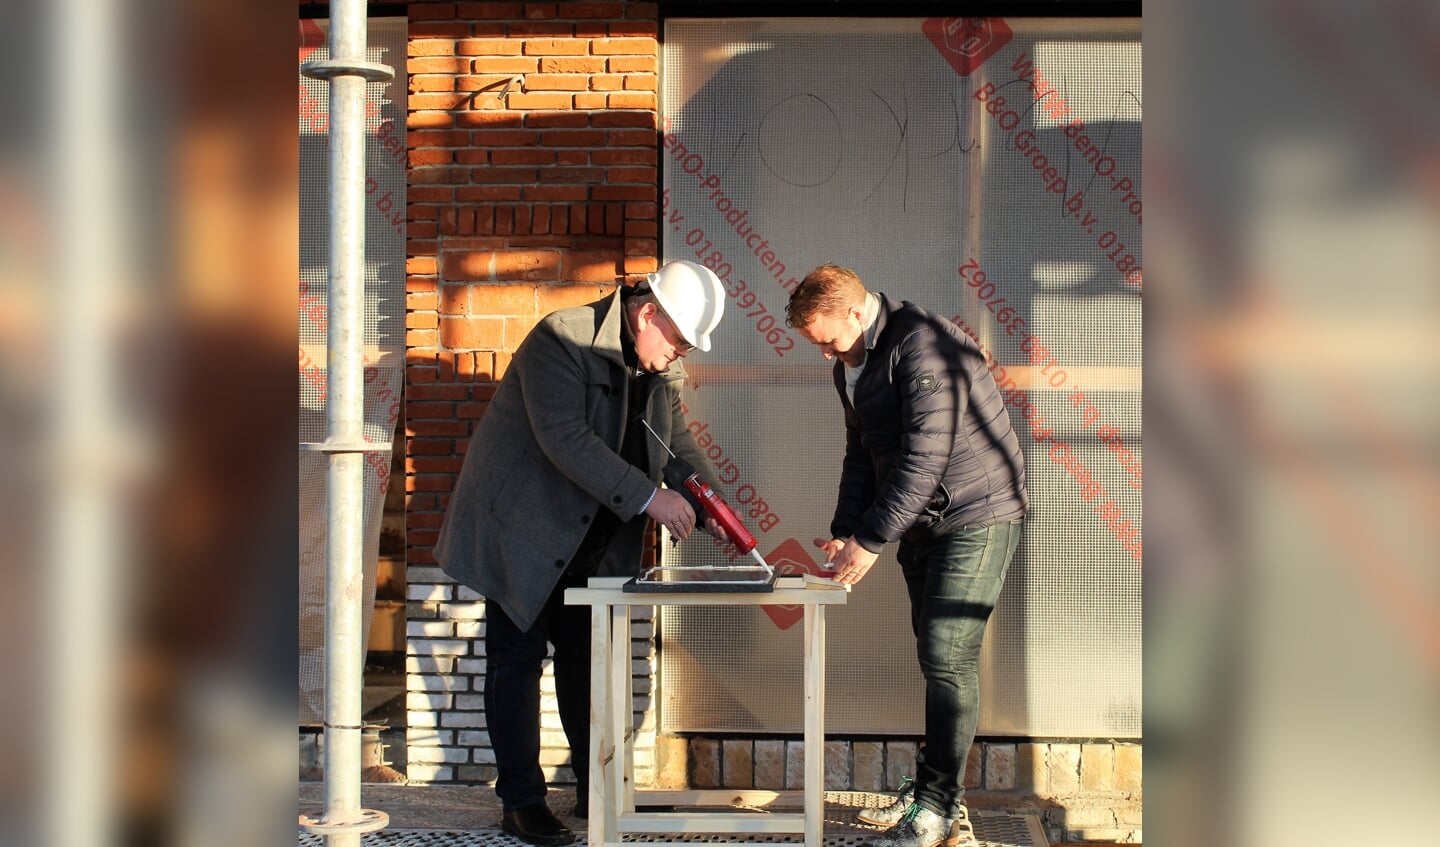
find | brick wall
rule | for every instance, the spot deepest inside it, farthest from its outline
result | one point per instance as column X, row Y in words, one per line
column 533, row 173
column 1082, row 791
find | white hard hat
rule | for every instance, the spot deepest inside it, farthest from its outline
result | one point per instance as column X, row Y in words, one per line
column 692, row 298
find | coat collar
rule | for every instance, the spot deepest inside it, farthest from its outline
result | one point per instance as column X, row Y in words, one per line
column 607, row 343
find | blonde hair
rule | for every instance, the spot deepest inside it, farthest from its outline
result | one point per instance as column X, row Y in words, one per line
column 828, row 290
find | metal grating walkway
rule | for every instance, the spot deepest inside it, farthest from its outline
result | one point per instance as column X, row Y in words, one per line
column 994, row 829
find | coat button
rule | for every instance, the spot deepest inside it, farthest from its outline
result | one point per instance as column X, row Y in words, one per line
column 584, row 519
column 559, row 563
column 615, row 499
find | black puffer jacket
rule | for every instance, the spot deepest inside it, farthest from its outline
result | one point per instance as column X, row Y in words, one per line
column 928, row 443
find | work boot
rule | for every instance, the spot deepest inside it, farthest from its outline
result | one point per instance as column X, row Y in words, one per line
column 888, row 815
column 920, row 827
column 535, row 824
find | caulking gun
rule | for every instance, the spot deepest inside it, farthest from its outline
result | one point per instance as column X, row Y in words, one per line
column 678, row 474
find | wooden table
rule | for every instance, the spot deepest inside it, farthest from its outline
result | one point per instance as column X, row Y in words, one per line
column 613, row 796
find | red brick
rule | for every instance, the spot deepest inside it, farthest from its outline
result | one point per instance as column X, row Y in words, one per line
column 643, row 156
column 554, row 193
column 430, row 46
column 421, row 284
column 428, row 120
column 557, row 29
column 438, row 392
column 430, row 156
column 430, row 11
column 631, row 100
column 432, row 466
column 640, row 82
column 555, row 47
column 465, row 221
column 487, row 193
column 550, row 120
column 647, row 29
column 641, row 211
column 426, row 482
column 417, row 411
column 638, row 10
column 421, row 229
column 488, row 10
column 544, row 100
column 635, row 229
column 507, row 66
column 572, row 158
column 422, row 301
column 440, row 29
column 437, row 65
column 589, row 101
column 423, row 520
column 468, row 333
column 422, row 320
column 429, row 194
column 563, row 296
column 573, row 138
column 555, row 82
column 505, row 137
column 647, row 120
column 416, row 212
column 630, row 175
column 511, row 176
column 420, row 503
column 420, row 265
column 488, row 47
column 529, row 156
column 440, row 102
column 633, row 64
column 438, row 174
column 584, row 65
column 469, row 410
column 627, row 46
column 507, row 300
column 572, row 175
column 590, row 10
column 454, row 300
column 504, row 220
column 641, row 193
column 437, row 138
column 485, row 221
column 432, row 82
column 577, row 218
column 591, row 266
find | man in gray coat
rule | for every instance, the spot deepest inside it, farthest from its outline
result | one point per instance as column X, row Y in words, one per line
column 558, row 481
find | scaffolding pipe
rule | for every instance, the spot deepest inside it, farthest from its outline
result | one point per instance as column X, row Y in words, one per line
column 347, row 71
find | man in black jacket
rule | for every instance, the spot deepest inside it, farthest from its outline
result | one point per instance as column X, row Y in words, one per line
column 931, row 462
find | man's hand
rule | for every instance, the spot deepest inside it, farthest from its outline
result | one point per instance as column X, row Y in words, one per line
column 670, row 510
column 849, row 560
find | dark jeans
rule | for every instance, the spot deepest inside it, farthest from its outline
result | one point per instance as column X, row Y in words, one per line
column 512, row 693
column 953, row 583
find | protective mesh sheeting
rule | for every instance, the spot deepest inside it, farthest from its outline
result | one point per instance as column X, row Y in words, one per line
column 989, row 170
column 384, row 340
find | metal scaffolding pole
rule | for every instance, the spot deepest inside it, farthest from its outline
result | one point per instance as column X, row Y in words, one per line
column 344, row 820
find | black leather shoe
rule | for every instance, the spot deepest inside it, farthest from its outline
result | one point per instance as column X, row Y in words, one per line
column 582, row 807
column 534, row 824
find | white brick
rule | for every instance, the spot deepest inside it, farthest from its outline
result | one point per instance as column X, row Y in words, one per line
column 437, row 755
column 472, row 738
column 430, row 664
column 470, row 629
column 427, row 700
column 1064, row 767
column 435, row 682
column 418, row 719
column 463, row 719
column 794, row 764
column 470, row 702
column 428, row 647
column 475, row 667
column 427, row 573
column 463, row 611
column 430, row 629
column 416, row 772
column 427, row 593
column 1000, row 767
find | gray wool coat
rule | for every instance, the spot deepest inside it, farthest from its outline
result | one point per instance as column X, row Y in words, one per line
column 545, row 458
